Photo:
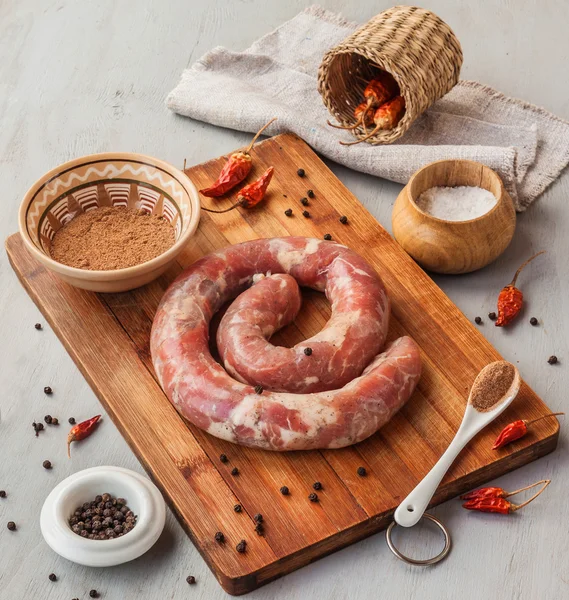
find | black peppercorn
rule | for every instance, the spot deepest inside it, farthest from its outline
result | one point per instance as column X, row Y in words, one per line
column 71, row 421
column 343, row 219
column 310, row 193
column 47, row 390
column 327, row 237
column 37, row 326
column 533, row 321
column 306, row 214
column 313, row 497
column 54, row 421
column 258, row 389
column 258, row 517
column 317, row 485
column 492, row 316
column 191, row 579
column 2, row 493
column 223, row 458
column 288, row 212
column 48, row 419
column 94, row 594
column 47, row 464
column 362, row 471
column 106, row 497
column 11, row 526
column 52, row 577
column 241, row 546
column 304, row 201
column 477, row 320
column 238, row 508
column 285, row 491
column 235, row 471
column 308, row 351
column 552, row 360
column 219, row 537
column 301, row 173
column 259, row 529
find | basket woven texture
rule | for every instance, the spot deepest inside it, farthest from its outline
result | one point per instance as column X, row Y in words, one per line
column 418, row 48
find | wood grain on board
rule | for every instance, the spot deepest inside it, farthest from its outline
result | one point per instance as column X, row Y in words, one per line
column 108, row 337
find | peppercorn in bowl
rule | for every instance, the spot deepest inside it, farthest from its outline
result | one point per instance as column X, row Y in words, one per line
column 100, row 495
column 109, row 222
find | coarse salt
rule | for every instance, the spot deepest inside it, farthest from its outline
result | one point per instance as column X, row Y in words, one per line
column 460, row 203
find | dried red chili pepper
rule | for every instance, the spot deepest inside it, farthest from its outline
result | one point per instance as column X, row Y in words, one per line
column 516, row 430
column 251, row 194
column 497, row 505
column 495, row 499
column 510, row 299
column 81, row 431
column 378, row 91
column 487, row 492
column 385, row 117
column 235, row 170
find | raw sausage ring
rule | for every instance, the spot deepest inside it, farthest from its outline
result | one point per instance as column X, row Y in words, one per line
column 205, row 394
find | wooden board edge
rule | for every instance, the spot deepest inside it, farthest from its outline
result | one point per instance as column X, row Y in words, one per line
column 242, row 585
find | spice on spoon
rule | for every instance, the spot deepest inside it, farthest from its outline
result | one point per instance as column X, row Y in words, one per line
column 235, row 170
column 517, row 429
column 251, row 194
column 510, row 299
column 495, row 499
column 81, row 431
column 491, row 389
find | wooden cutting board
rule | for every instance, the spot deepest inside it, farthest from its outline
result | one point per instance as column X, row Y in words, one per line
column 108, row 337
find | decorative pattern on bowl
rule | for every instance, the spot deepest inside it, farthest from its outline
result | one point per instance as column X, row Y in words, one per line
column 110, row 179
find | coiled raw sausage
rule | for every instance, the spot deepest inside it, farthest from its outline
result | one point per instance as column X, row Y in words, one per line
column 205, row 394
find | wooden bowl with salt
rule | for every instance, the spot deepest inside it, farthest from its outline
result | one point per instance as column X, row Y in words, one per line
column 453, row 241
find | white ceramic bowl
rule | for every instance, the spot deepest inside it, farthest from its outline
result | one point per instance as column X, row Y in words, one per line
column 142, row 497
column 121, row 179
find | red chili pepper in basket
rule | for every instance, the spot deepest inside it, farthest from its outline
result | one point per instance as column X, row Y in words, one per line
column 81, row 431
column 251, row 194
column 510, row 299
column 377, row 92
column 494, row 499
column 516, row 430
column 235, row 170
column 387, row 116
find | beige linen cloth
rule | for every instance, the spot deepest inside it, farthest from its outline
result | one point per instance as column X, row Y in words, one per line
column 277, row 77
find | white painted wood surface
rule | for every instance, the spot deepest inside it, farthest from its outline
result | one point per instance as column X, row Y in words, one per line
column 90, row 76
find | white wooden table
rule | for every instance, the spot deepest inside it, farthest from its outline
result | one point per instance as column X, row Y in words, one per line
column 91, row 76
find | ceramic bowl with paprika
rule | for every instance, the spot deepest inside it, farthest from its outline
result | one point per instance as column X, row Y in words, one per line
column 120, row 179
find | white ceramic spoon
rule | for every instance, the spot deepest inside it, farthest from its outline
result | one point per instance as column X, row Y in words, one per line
column 410, row 511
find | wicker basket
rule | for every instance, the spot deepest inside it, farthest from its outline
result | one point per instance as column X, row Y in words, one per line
column 413, row 44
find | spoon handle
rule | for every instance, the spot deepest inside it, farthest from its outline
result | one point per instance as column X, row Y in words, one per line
column 410, row 511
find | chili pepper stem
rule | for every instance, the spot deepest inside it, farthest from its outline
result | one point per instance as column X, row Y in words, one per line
column 236, row 205
column 371, row 134
column 248, row 149
column 513, row 284
column 356, row 124
column 557, row 414
column 545, row 482
column 527, row 487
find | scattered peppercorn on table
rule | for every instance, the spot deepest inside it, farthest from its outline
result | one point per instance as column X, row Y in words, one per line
column 121, row 84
